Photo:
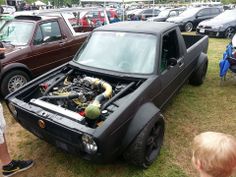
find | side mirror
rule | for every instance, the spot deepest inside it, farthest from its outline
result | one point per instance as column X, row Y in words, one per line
column 172, row 62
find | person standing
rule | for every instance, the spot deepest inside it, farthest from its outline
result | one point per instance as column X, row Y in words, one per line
column 9, row 166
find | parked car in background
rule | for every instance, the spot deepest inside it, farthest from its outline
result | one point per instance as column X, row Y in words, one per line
column 146, row 13
column 95, row 18
column 7, row 9
column 163, row 15
column 34, row 45
column 132, row 14
column 189, row 19
column 223, row 25
column 143, row 14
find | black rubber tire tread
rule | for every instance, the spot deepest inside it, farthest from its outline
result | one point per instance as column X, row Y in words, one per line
column 198, row 76
column 135, row 153
column 7, row 77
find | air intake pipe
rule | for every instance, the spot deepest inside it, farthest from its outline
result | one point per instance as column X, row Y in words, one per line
column 93, row 110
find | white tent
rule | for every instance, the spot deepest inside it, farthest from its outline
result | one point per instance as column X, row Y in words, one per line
column 39, row 3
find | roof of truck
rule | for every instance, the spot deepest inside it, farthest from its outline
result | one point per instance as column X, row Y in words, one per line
column 156, row 28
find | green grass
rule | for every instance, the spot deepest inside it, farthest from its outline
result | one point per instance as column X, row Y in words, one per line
column 209, row 107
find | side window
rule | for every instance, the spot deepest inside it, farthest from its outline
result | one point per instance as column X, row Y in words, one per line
column 38, row 38
column 156, row 12
column 173, row 13
column 169, row 50
column 51, row 32
column 148, row 11
column 204, row 12
column 215, row 11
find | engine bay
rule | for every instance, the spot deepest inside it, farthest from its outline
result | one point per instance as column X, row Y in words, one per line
column 83, row 98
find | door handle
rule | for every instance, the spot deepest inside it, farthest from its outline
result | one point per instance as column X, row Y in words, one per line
column 181, row 64
column 61, row 43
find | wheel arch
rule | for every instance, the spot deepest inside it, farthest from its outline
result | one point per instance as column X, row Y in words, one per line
column 144, row 115
column 230, row 26
column 15, row 66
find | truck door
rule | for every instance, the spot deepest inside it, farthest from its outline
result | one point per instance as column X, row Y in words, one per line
column 171, row 64
column 49, row 47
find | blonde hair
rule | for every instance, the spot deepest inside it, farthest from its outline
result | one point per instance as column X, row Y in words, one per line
column 216, row 153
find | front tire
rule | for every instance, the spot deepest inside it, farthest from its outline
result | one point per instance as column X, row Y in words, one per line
column 13, row 80
column 229, row 32
column 188, row 27
column 147, row 145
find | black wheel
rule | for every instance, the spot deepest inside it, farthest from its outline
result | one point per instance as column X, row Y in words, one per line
column 229, row 32
column 198, row 76
column 13, row 80
column 188, row 27
column 147, row 145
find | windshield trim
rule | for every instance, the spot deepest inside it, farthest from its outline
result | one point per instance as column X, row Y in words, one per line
column 111, row 72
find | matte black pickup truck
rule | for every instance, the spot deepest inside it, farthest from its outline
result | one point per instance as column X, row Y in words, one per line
column 107, row 102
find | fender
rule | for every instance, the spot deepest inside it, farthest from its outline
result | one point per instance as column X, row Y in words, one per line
column 144, row 114
column 12, row 66
column 201, row 60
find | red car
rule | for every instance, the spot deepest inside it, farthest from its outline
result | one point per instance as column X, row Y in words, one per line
column 96, row 17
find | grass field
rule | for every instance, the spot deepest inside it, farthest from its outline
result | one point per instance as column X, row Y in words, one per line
column 209, row 107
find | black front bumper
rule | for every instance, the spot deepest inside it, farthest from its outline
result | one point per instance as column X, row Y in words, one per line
column 61, row 137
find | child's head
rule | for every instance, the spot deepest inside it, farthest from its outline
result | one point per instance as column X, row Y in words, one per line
column 214, row 154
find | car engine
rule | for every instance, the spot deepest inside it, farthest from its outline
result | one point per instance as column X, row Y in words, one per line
column 78, row 96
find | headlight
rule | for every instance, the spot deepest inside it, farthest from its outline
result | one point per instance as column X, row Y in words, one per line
column 90, row 145
column 12, row 108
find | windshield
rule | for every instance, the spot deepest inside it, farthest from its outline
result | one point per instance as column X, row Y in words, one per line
column 122, row 52
column 227, row 14
column 16, row 33
column 164, row 13
column 189, row 12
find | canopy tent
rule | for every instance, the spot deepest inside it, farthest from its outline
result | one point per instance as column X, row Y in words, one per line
column 39, row 3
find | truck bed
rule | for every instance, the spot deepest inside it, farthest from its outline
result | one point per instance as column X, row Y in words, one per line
column 196, row 41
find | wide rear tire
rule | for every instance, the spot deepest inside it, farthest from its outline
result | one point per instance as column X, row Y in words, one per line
column 198, row 76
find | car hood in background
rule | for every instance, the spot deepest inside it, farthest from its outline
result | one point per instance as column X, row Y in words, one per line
column 176, row 19
column 216, row 22
column 159, row 19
